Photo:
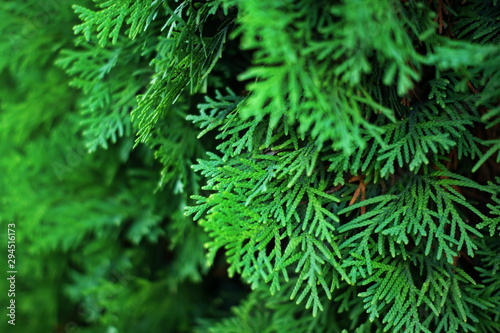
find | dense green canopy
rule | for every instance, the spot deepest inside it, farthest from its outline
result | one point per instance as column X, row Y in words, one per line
column 250, row 166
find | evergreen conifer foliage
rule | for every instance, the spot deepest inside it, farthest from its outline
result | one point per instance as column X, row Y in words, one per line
column 339, row 157
column 99, row 223
column 348, row 165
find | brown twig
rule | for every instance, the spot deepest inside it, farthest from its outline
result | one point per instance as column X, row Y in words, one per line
column 360, row 190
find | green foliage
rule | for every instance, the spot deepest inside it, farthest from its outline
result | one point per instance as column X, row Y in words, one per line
column 101, row 239
column 339, row 157
column 111, row 16
column 323, row 113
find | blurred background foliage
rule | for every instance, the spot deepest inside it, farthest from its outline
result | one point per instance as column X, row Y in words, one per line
column 102, row 242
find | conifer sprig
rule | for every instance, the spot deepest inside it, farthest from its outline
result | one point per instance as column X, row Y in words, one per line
column 352, row 150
